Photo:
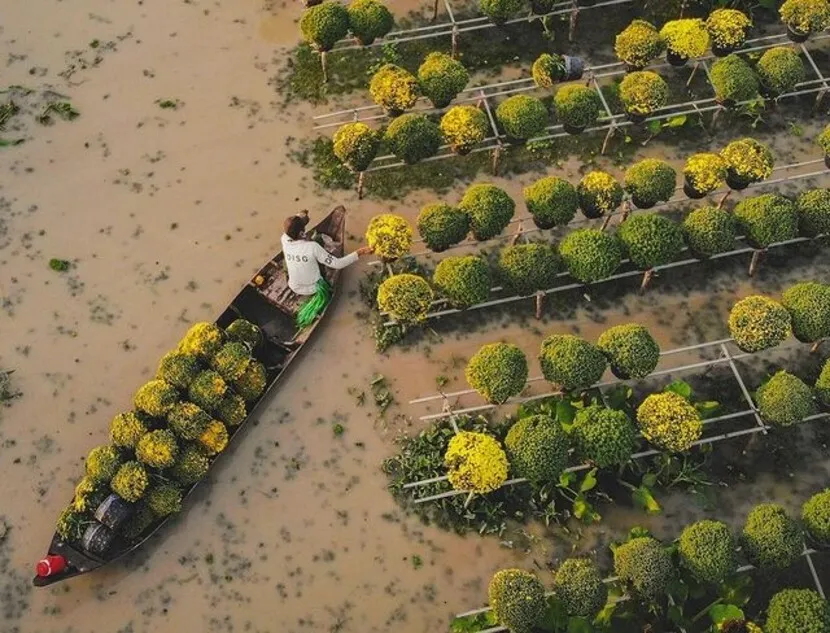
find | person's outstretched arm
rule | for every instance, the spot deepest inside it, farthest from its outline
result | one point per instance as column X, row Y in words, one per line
column 327, row 259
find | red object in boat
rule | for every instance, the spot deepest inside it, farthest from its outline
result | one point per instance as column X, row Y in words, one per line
column 50, row 565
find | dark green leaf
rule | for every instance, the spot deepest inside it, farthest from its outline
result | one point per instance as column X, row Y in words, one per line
column 722, row 612
column 590, row 481
column 681, row 388
column 707, row 409
column 579, row 625
column 565, row 412
column 644, row 499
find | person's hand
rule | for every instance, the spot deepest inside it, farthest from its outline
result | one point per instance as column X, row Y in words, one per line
column 364, row 250
column 303, row 213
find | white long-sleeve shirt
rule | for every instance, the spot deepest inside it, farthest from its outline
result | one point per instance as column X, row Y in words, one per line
column 302, row 261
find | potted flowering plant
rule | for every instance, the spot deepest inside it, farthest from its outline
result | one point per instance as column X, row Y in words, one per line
column 779, row 70
column 704, row 174
column 747, row 161
column 650, row 181
column 599, row 193
column 805, row 17
column 464, row 127
column 728, row 30
column 642, row 93
column 577, row 107
column 549, row 69
column 734, row 81
column 638, row 44
column 685, row 39
column 823, row 142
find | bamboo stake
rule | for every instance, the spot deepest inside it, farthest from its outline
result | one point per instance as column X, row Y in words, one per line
column 360, row 178
column 757, row 256
column 540, row 300
column 647, row 277
column 816, row 345
column 323, row 66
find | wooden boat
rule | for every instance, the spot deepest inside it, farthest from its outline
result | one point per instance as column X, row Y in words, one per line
column 267, row 302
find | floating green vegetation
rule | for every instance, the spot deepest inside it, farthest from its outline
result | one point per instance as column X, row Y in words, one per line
column 63, row 109
column 169, row 104
column 59, row 265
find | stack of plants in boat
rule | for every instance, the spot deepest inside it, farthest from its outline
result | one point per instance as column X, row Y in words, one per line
column 181, row 420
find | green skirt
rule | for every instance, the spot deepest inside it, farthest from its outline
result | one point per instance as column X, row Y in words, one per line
column 314, row 307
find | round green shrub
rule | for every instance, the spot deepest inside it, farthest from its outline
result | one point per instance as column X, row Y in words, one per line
column 369, row 20
column 537, row 448
column 579, row 587
column 231, row 360
column 707, row 550
column 188, row 420
column 823, row 385
column 394, row 89
column 522, row 117
column 577, row 106
column 464, row 127
column 806, row 16
column 465, row 280
column 809, row 306
column 190, row 466
column 442, row 78
column 356, row 145
column 631, row 350
column 164, row 500
column 780, row 69
column 651, row 240
column 798, row 611
column 202, row 340
column 734, row 80
column 815, row 515
column 758, row 323
column 252, row 383
column 604, row 437
column 517, row 599
column 599, row 193
column 643, row 93
column 246, row 332
column 156, row 398
column 748, row 161
column 650, row 181
column 500, row 11
column 645, row 565
column 813, row 208
column 551, row 201
column 127, row 428
column 669, row 421
column 405, row 297
column 207, row 390
column 130, row 482
column 323, row 25
column 529, row 268
column 413, row 137
column 571, row 362
column 547, row 70
column 231, row 410
column 767, row 219
column 489, row 208
column 709, row 231
column 638, row 44
column 785, row 400
column 157, row 449
column 102, row 463
column 770, row 538
column 178, row 369
column 442, row 226
column 590, row 254
column 71, row 525
column 497, row 372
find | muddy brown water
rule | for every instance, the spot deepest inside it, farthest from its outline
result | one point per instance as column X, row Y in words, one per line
column 164, row 214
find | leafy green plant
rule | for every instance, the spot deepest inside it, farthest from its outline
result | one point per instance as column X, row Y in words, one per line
column 785, row 400
column 758, row 323
column 709, row 231
column 815, row 515
column 823, row 385
column 767, row 219
column 252, row 383
column 497, row 372
column 207, row 390
column 579, row 587
column 230, row 361
column 323, row 25
column 771, row 539
column 603, row 437
column 705, row 172
column 823, row 140
column 191, row 465
column 500, row 11
column 522, row 117
column 630, row 349
column 529, row 268
column 813, row 208
column 547, row 70
column 651, row 240
column 188, row 420
column 413, row 137
column 465, row 281
column 442, row 78
column 537, row 449
column 571, row 362
column 490, row 210
column 369, row 20
column 747, row 161
column 590, row 254
column 809, row 306
column 442, row 226
column 405, row 297
column 551, row 201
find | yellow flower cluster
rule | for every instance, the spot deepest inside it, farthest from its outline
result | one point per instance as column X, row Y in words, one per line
column 476, row 462
column 728, row 27
column 157, row 449
column 686, row 38
column 405, row 297
column 389, row 236
column 87, row 495
column 464, row 127
column 215, row 438
column 806, row 16
column 603, row 189
column 748, row 159
column 705, row 172
column 202, row 340
column 394, row 88
column 669, row 421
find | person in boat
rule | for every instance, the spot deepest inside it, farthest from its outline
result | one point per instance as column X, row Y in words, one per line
column 303, row 257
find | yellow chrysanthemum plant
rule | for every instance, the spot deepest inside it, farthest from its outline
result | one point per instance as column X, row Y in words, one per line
column 476, row 462
column 389, row 236
column 704, row 174
column 747, row 161
column 805, row 17
column 394, row 89
column 464, row 127
column 669, row 422
column 728, row 29
column 823, row 141
column 356, row 145
column 685, row 39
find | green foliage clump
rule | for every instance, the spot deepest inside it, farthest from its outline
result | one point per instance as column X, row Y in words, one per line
column 604, row 437
column 687, row 38
column 785, row 400
column 644, row 563
column 130, row 482
column 651, row 240
column 135, row 526
column 734, row 80
column 815, row 515
column 231, row 360
column 771, row 539
column 413, row 137
column 669, row 421
column 529, row 268
column 202, row 340
column 356, row 145
column 522, row 117
column 517, row 599
column 369, row 20
column 813, row 208
column 156, row 398
column 89, row 494
column 497, row 371
column 599, row 193
column 178, row 369
column 442, row 78
column 798, row 611
column 767, row 219
column 500, row 11
column 246, row 332
column 465, row 280
column 489, row 209
column 709, row 231
column 164, row 499
column 252, row 383
column 579, row 587
column 442, row 226
column 758, row 323
column 748, row 161
column 631, row 350
column 464, row 127
column 590, row 254
column 71, row 525
column 707, row 550
column 780, row 69
column 208, row 389
column 808, row 303
column 638, row 44
column 102, row 463
column 547, row 70
column 157, row 449
column 823, row 385
column 231, row 410
column 323, row 25
column 188, row 420
column 127, row 428
column 394, row 89
column 650, row 181
column 643, row 92
column 571, row 362
column 551, row 201
column 806, row 16
column 577, row 106
column 405, row 297
column 537, row 448
column 191, row 466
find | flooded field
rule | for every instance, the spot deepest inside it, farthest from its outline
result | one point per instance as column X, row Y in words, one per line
column 165, row 195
